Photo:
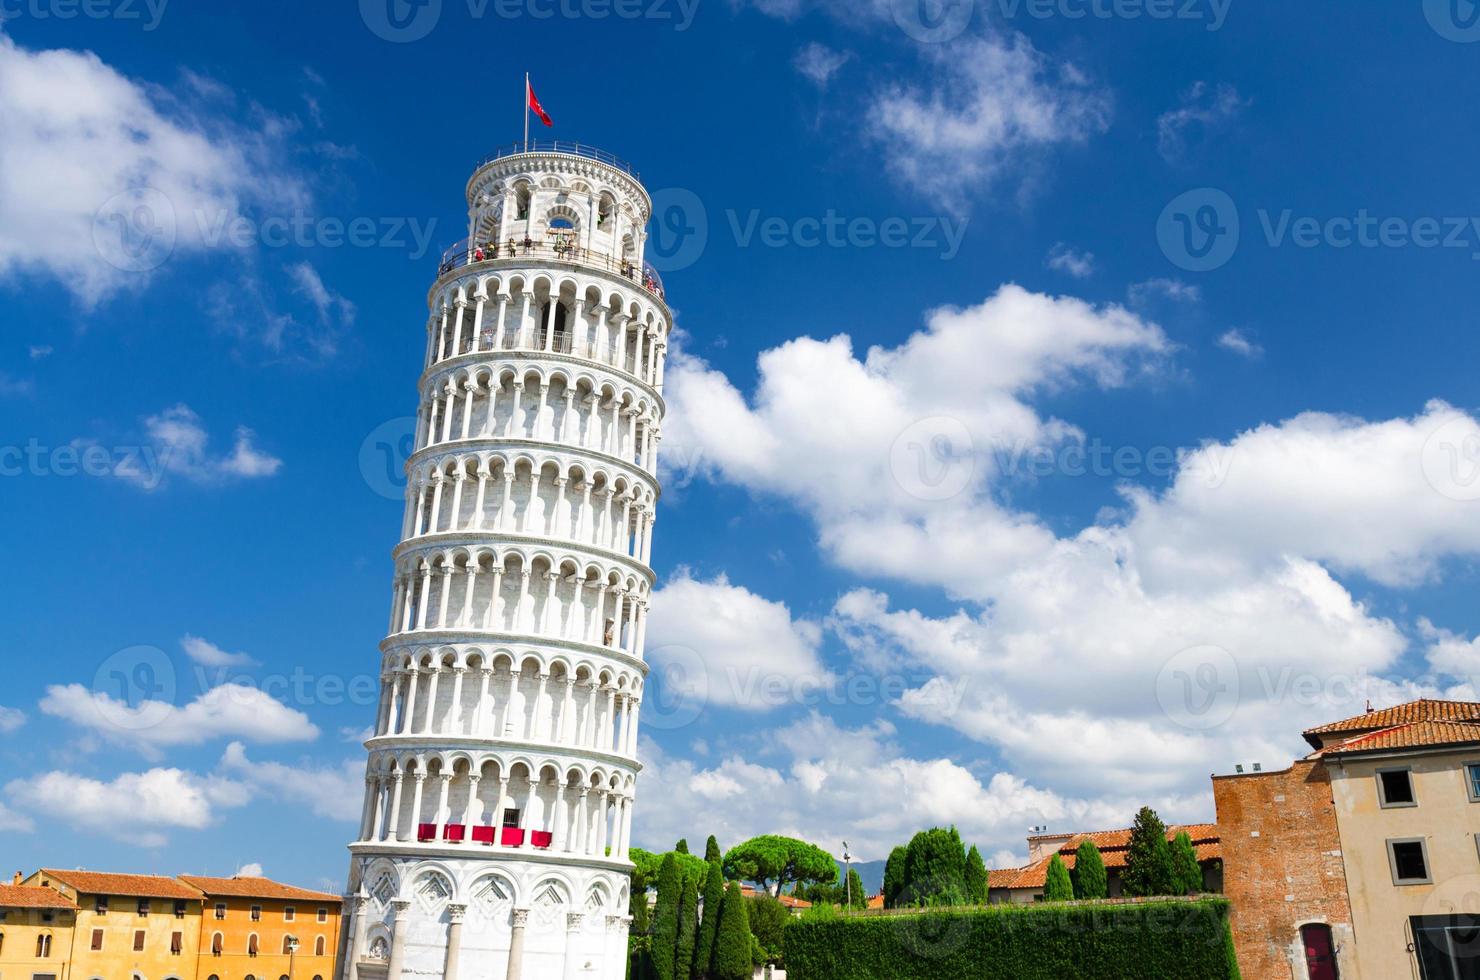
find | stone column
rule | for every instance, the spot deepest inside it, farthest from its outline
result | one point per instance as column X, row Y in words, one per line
column 356, row 938
column 398, row 939
column 516, row 947
column 455, row 915
column 573, row 921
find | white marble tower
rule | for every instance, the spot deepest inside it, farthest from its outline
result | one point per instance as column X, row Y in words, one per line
column 502, row 771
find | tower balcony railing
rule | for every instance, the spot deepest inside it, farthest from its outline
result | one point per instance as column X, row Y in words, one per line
column 466, row 254
column 560, row 146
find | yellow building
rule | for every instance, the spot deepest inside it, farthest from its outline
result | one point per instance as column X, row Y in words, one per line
column 257, row 929
column 128, row 927
column 35, row 933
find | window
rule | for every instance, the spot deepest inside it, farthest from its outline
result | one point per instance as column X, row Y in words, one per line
column 289, row 945
column 256, row 913
column 139, row 940
column 1446, row 946
column 220, row 910
column 289, row 914
column 1409, row 860
column 100, row 905
column 43, row 947
column 97, row 940
column 1395, row 788
column 2, row 942
column 252, row 944
column 143, row 906
column 3, row 915
column 46, row 917
column 323, row 915
column 177, row 942
column 1472, row 781
column 319, row 946
column 179, row 909
column 217, row 943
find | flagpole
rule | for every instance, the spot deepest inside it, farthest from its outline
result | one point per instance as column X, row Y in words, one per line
column 526, row 112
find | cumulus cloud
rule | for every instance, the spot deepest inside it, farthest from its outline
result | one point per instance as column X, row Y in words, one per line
column 722, row 644
column 227, row 711
column 16, row 823
column 253, row 870
column 177, row 443
column 105, row 176
column 11, row 719
column 1062, row 258
column 136, row 808
column 987, row 105
column 331, row 792
column 1238, row 342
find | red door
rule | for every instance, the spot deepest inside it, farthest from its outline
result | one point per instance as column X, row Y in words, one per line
column 1320, row 952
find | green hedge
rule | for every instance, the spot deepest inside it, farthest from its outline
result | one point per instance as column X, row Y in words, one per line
column 1144, row 941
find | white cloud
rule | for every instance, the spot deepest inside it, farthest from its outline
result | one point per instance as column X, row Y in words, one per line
column 717, row 643
column 253, row 870
column 177, row 444
column 1237, row 341
column 331, row 306
column 819, row 63
column 331, row 792
column 988, row 104
column 39, row 351
column 1062, row 258
column 11, row 719
column 1204, row 111
column 227, row 711
column 825, row 783
column 15, row 823
column 100, row 170
column 136, row 808
column 1176, row 290
column 207, row 654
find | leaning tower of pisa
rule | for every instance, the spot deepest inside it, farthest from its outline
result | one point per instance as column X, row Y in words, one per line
column 502, row 771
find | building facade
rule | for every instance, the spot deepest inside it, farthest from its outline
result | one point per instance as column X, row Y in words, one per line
column 1363, row 859
column 1026, row 884
column 35, row 932
column 502, row 771
column 128, row 927
column 258, row 929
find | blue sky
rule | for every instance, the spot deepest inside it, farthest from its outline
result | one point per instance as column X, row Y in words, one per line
column 873, row 450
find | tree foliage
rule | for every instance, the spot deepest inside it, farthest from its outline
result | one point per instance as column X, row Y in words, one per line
column 732, row 959
column 682, row 847
column 1148, row 869
column 894, row 876
column 1089, row 877
column 934, row 869
column 1057, row 887
column 665, row 919
column 1187, row 877
column 976, row 877
column 714, row 901
column 768, row 919
column 688, row 928
column 712, row 853
column 774, row 862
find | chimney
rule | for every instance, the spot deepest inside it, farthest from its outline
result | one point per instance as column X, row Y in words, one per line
column 18, row 877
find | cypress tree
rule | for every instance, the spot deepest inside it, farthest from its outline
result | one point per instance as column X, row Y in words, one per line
column 934, row 869
column 665, row 919
column 682, row 847
column 1089, row 877
column 894, row 876
column 732, row 942
column 1058, row 887
column 976, row 877
column 854, row 889
column 712, row 853
column 1148, row 867
column 688, row 927
column 1187, row 877
column 714, row 900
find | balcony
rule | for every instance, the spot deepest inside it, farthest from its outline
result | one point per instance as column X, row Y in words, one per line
column 559, row 146
column 560, row 251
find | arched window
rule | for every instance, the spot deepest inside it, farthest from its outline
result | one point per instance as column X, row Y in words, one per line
column 43, row 946
column 252, row 944
column 319, row 946
column 217, row 944
column 1320, row 951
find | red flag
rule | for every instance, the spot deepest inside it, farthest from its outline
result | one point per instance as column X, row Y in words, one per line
column 539, row 110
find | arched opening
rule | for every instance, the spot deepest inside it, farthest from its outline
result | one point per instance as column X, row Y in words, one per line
column 1320, row 951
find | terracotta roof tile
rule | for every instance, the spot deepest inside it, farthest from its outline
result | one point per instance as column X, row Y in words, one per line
column 1114, row 846
column 1424, row 709
column 1417, row 735
column 246, row 887
column 32, row 897
column 133, row 886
